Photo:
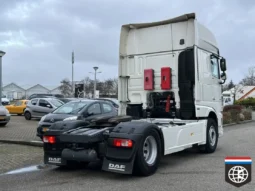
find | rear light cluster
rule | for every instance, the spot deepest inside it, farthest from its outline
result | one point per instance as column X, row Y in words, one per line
column 49, row 139
column 123, row 143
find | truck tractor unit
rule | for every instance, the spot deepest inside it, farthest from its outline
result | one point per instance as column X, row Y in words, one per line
column 169, row 89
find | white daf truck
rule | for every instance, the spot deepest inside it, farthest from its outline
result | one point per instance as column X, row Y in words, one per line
column 170, row 77
column 171, row 74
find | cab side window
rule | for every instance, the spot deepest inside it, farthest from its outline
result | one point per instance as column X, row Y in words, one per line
column 214, row 67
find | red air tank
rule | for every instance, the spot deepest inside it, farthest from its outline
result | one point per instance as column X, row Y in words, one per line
column 166, row 78
column 148, row 79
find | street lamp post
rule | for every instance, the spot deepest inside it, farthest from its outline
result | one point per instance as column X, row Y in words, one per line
column 2, row 53
column 95, row 80
column 73, row 88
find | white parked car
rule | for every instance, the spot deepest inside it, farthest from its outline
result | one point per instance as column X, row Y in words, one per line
column 5, row 101
column 4, row 116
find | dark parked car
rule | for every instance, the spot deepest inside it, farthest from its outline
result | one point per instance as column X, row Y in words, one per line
column 113, row 101
column 83, row 109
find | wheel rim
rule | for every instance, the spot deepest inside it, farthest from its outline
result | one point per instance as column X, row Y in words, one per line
column 150, row 150
column 212, row 135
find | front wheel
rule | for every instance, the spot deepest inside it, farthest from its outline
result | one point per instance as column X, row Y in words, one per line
column 148, row 154
column 211, row 137
column 27, row 115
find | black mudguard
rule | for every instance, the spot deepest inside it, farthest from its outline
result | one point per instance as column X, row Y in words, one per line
column 121, row 160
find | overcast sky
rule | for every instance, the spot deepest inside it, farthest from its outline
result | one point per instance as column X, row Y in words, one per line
column 38, row 36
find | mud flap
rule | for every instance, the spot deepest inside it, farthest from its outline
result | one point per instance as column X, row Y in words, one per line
column 54, row 160
column 118, row 167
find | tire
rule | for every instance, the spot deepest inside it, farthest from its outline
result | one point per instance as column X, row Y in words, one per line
column 212, row 136
column 146, row 163
column 27, row 115
column 3, row 124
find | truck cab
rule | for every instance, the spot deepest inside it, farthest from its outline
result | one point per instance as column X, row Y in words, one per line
column 170, row 69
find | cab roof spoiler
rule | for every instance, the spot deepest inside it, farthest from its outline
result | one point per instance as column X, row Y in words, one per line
column 181, row 18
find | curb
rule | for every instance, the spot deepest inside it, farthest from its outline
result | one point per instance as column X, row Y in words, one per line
column 239, row 123
column 23, row 142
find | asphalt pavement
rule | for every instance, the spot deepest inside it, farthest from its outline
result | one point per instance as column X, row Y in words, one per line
column 14, row 156
column 20, row 129
column 188, row 170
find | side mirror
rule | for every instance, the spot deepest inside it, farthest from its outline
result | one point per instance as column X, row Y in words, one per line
column 49, row 106
column 223, row 77
column 223, row 65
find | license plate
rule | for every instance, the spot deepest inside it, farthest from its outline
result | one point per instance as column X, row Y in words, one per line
column 2, row 118
column 45, row 129
column 55, row 160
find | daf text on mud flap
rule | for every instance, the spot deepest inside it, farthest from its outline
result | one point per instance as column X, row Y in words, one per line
column 116, row 167
column 54, row 160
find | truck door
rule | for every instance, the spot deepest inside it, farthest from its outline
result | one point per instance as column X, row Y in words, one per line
column 215, row 83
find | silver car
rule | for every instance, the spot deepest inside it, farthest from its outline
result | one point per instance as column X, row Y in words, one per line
column 38, row 107
column 4, row 116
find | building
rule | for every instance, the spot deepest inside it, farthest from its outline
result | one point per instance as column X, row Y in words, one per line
column 37, row 89
column 14, row 91
column 54, row 89
column 245, row 92
column 240, row 93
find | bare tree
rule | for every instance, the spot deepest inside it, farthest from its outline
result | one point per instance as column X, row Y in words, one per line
column 66, row 87
column 237, row 89
column 115, row 86
column 249, row 80
column 106, row 88
column 87, row 82
column 231, row 85
column 101, row 87
column 108, row 85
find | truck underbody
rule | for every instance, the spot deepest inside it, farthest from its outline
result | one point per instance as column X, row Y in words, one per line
column 117, row 142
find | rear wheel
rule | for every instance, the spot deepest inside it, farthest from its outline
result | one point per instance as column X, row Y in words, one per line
column 211, row 137
column 148, row 154
column 27, row 115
